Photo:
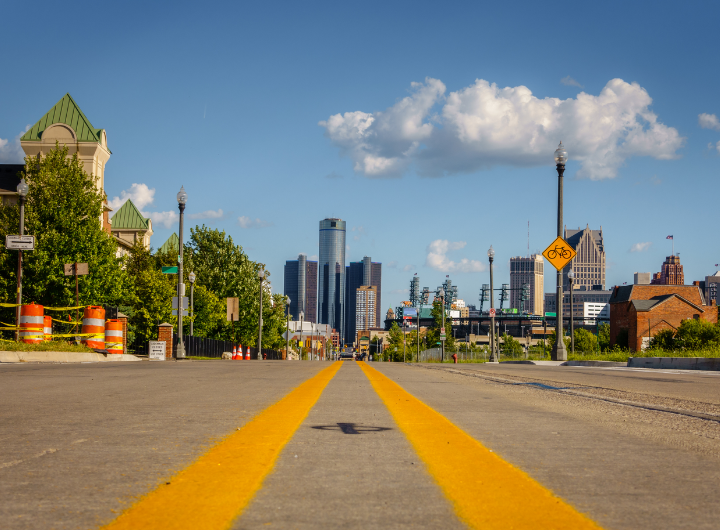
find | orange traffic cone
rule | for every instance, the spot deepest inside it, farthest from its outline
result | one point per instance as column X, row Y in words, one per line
column 247, row 354
column 234, row 357
column 240, row 355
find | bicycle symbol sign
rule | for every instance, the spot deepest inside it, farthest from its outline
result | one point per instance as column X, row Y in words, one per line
column 559, row 253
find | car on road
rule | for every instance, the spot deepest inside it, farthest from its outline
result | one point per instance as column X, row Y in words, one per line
column 347, row 356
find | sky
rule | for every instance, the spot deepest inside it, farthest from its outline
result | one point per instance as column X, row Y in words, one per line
column 428, row 127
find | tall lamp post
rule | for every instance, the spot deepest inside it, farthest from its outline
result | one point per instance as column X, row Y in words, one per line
column 261, row 277
column 493, row 354
column 22, row 190
column 559, row 351
column 191, row 277
column 182, row 199
column 571, row 277
column 287, row 329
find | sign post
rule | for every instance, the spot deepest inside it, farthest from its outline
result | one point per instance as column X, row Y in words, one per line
column 156, row 350
column 20, row 242
column 76, row 269
column 233, row 312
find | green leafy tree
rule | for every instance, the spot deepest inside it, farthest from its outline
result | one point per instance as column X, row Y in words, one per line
column 553, row 337
column 510, row 347
column 664, row 340
column 585, row 341
column 696, row 335
column 604, row 337
column 63, row 211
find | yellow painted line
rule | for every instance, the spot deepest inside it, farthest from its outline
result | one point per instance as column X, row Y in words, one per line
column 214, row 490
column 486, row 491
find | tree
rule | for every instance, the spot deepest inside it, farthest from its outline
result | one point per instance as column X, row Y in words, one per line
column 664, row 340
column 510, row 346
column 553, row 337
column 433, row 333
column 585, row 341
column 696, row 334
column 604, row 336
column 394, row 350
column 62, row 210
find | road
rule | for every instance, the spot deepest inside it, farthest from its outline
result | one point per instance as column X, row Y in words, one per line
column 222, row 444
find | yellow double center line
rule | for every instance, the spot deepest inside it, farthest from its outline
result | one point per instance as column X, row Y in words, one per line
column 211, row 493
column 486, row 491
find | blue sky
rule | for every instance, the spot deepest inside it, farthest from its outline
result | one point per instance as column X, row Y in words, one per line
column 428, row 127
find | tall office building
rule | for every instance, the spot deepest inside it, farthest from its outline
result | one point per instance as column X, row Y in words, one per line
column 359, row 274
column 331, row 277
column 671, row 272
column 589, row 264
column 365, row 307
column 527, row 271
column 301, row 287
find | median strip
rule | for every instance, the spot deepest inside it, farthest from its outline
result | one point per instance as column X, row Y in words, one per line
column 486, row 491
column 214, row 490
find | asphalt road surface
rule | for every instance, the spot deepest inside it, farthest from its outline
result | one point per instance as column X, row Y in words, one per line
column 357, row 445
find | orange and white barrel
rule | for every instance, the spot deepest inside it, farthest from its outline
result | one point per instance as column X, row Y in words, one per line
column 114, row 336
column 32, row 323
column 94, row 322
column 48, row 327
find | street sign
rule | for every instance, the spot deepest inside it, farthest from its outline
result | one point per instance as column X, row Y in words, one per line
column 492, row 312
column 559, row 253
column 69, row 269
column 184, row 313
column 169, row 270
column 550, row 314
column 20, row 242
column 156, row 350
column 233, row 309
column 185, row 302
column 443, row 336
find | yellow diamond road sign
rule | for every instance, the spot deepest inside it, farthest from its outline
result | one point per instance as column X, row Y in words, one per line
column 559, row 253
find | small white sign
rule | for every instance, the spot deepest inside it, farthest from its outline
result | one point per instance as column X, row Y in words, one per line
column 20, row 242
column 156, row 350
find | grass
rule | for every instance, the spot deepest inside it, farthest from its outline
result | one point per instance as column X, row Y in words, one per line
column 615, row 356
column 53, row 345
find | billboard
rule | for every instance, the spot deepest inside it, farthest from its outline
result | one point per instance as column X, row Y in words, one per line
column 409, row 312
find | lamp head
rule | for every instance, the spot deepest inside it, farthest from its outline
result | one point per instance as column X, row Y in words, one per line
column 571, row 275
column 491, row 252
column 261, row 275
column 23, row 188
column 191, row 277
column 287, row 300
column 182, row 195
column 561, row 155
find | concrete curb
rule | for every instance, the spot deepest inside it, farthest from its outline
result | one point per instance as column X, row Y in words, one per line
column 539, row 363
column 676, row 363
column 607, row 364
column 61, row 357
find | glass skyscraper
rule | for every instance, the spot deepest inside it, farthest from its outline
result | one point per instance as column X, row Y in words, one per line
column 331, row 275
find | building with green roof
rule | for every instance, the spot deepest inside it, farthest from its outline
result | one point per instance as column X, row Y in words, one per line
column 128, row 226
column 67, row 125
column 172, row 243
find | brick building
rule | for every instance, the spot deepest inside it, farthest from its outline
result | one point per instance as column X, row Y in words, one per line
column 640, row 311
column 671, row 272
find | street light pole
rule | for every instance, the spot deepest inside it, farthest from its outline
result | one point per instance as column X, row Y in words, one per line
column 493, row 354
column 22, row 189
column 191, row 277
column 302, row 342
column 182, row 199
column 287, row 329
column 571, row 277
column 261, row 276
column 559, row 351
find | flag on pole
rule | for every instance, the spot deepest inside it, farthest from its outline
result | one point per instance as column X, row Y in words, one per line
column 669, row 237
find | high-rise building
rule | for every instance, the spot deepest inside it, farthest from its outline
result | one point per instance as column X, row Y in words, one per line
column 589, row 264
column 331, row 274
column 301, row 287
column 359, row 274
column 671, row 272
column 365, row 307
column 642, row 278
column 527, row 271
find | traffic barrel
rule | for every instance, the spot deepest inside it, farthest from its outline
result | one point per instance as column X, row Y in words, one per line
column 32, row 323
column 114, row 336
column 247, row 354
column 94, row 322
column 48, row 327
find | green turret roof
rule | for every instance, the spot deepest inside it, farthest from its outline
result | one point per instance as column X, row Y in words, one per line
column 172, row 243
column 65, row 111
column 128, row 217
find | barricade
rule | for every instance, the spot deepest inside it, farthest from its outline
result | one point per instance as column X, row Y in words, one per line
column 114, row 336
column 48, row 327
column 94, row 322
column 32, row 323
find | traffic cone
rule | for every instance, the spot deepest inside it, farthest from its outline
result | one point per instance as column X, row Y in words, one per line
column 247, row 354
column 240, row 355
column 234, row 357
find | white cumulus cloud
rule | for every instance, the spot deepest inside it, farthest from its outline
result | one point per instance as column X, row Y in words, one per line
column 569, row 81
column 437, row 257
column 10, row 150
column 140, row 194
column 483, row 125
column 249, row 222
column 408, row 268
column 640, row 247
column 709, row 121
column 167, row 219
column 208, row 214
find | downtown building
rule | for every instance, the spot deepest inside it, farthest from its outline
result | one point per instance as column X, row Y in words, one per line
column 366, row 311
column 527, row 271
column 331, row 275
column 589, row 264
column 301, row 280
column 361, row 274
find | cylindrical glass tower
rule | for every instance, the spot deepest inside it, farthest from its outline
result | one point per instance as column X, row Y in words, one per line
column 331, row 275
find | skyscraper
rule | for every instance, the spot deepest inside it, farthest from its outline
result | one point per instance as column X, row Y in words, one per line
column 301, row 287
column 589, row 264
column 331, row 278
column 527, row 271
column 671, row 272
column 365, row 308
column 359, row 274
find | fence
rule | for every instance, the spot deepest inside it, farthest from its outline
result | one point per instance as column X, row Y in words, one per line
column 202, row 347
